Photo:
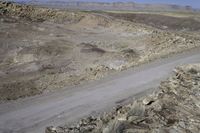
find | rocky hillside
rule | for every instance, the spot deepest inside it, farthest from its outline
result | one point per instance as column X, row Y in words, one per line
column 173, row 107
column 36, row 14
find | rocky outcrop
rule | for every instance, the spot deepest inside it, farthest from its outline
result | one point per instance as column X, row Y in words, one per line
column 173, row 107
column 36, row 14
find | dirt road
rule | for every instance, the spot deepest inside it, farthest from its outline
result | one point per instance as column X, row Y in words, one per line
column 68, row 105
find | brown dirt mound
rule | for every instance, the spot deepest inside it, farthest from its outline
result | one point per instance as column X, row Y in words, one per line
column 26, row 88
column 92, row 20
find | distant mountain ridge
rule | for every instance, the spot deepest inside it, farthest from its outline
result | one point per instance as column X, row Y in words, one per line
column 124, row 6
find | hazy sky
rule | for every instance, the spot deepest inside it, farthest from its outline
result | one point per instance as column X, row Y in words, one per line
column 193, row 3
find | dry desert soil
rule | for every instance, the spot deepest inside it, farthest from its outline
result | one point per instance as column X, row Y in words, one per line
column 43, row 50
column 45, row 53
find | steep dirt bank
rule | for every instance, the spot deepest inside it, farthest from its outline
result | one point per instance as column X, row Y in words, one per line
column 173, row 107
column 44, row 50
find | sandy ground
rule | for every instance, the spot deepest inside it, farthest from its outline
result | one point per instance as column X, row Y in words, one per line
column 44, row 50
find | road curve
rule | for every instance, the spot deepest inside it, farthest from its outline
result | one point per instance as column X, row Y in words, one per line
column 32, row 115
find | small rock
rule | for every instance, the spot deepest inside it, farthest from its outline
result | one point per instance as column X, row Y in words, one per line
column 50, row 129
column 148, row 101
column 122, row 119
